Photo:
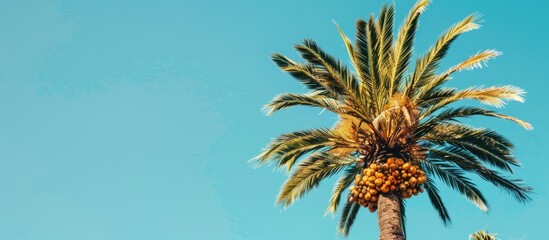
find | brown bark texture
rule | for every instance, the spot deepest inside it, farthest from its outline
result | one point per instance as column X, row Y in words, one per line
column 388, row 217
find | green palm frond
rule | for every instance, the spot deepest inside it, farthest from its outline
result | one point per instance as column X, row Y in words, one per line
column 453, row 114
column 385, row 32
column 341, row 185
column 426, row 65
column 403, row 215
column 305, row 73
column 292, row 145
column 361, row 52
column 348, row 216
column 313, row 99
column 471, row 156
column 515, row 187
column 402, row 52
column 377, row 92
column 335, row 73
column 436, row 201
column 433, row 97
column 358, row 60
column 349, row 46
column 483, row 144
column 454, row 178
column 308, row 175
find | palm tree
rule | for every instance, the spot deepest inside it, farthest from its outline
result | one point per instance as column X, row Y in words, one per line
column 389, row 112
column 481, row 235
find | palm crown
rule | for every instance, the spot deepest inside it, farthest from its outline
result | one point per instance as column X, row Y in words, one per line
column 387, row 109
column 482, row 235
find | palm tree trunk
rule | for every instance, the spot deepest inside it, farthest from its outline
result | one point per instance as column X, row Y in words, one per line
column 388, row 217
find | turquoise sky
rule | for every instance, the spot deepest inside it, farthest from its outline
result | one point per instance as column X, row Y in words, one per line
column 136, row 119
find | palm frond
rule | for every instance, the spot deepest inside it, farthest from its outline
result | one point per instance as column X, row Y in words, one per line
column 454, row 178
column 433, row 97
column 313, row 99
column 335, row 73
column 426, row 65
column 340, row 186
column 373, row 56
column 483, row 144
column 348, row 46
column 403, row 215
column 357, row 59
column 348, row 216
column 453, row 114
column 384, row 29
column 302, row 72
column 515, row 187
column 493, row 96
column 292, row 143
column 361, row 52
column 308, row 175
column 473, row 62
column 436, row 201
column 386, row 23
column 404, row 43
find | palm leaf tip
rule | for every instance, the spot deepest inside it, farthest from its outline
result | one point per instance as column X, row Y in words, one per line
column 420, row 6
column 348, row 216
column 524, row 124
column 339, row 188
column 510, row 93
column 471, row 23
column 255, row 162
column 454, row 178
column 514, row 93
column 527, row 125
column 311, row 99
column 436, row 201
column 281, row 60
column 479, row 59
column 348, row 44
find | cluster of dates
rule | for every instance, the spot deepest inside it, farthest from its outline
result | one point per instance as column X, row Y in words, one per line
column 394, row 175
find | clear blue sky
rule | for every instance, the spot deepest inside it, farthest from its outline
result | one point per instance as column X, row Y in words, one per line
column 136, row 119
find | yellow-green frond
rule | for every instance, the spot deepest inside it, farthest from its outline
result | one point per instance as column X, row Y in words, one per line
column 453, row 114
column 348, row 45
column 293, row 142
column 341, row 185
column 476, row 61
column 348, row 216
column 473, row 62
column 524, row 124
column 312, row 99
column 496, row 96
column 427, row 64
column 492, row 96
column 404, row 43
column 308, row 175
